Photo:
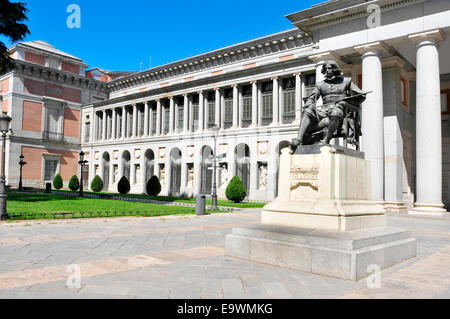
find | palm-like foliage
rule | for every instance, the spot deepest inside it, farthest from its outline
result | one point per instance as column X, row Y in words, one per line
column 11, row 17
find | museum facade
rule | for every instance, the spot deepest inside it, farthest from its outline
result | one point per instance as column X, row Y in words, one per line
column 159, row 121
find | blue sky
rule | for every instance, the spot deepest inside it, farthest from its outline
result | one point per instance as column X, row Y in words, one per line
column 118, row 35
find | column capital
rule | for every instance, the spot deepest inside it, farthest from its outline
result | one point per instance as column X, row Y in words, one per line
column 234, row 85
column 325, row 56
column 216, row 89
column 374, row 48
column 254, row 82
column 297, row 73
column 274, row 78
column 200, row 92
column 436, row 36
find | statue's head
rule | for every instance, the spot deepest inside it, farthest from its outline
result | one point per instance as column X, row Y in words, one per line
column 331, row 69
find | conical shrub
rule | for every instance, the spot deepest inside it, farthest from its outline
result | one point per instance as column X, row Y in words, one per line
column 236, row 191
column 97, row 184
column 58, row 182
column 74, row 183
column 153, row 186
column 124, row 186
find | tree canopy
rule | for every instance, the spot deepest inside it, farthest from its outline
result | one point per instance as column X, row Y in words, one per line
column 11, row 17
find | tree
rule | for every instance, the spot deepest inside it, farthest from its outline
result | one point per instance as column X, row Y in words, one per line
column 11, row 16
column 236, row 191
column 124, row 186
column 153, row 186
column 74, row 183
column 57, row 181
column 97, row 184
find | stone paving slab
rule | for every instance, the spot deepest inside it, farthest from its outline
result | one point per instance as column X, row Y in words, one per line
column 180, row 257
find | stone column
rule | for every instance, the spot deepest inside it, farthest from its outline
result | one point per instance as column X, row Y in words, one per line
column 191, row 115
column 197, row 172
column 124, row 121
column 260, row 104
column 253, row 176
column 186, row 113
column 171, row 115
column 183, row 175
column 134, row 120
column 218, row 106
column 114, row 124
column 254, row 104
column 104, row 125
column 158, row 117
column 222, row 112
column 428, row 124
column 150, row 121
column 276, row 102
column 235, row 106
column 298, row 97
column 146, row 118
column 372, row 117
column 168, row 167
column 201, row 112
column 241, row 106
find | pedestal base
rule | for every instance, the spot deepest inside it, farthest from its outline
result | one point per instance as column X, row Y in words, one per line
column 392, row 207
column 345, row 255
column 428, row 210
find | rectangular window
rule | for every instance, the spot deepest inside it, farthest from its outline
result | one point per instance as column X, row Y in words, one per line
column 180, row 117
column 154, row 114
column 141, row 122
column 87, row 132
column 211, row 114
column 130, row 126
column 310, row 83
column 166, row 120
column 50, row 169
column 288, row 106
column 196, row 116
column 228, row 119
column 246, row 111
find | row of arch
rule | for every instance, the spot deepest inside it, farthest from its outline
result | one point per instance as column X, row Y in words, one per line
column 242, row 167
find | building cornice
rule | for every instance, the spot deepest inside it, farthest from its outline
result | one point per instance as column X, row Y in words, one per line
column 339, row 11
column 58, row 76
column 275, row 43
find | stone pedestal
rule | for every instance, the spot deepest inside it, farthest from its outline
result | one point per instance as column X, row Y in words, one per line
column 323, row 220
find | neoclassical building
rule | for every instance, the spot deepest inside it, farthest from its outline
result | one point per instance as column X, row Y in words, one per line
column 158, row 122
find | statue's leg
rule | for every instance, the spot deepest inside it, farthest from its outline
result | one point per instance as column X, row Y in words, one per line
column 305, row 125
column 335, row 118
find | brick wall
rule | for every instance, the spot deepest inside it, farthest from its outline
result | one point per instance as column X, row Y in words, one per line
column 32, row 116
column 34, row 58
column 52, row 90
column 33, row 170
column 71, row 123
column 4, row 86
column 5, row 105
column 69, row 67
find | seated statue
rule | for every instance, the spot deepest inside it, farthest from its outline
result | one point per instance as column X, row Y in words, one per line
column 339, row 114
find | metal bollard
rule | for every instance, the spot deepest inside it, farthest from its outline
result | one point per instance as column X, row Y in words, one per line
column 200, row 204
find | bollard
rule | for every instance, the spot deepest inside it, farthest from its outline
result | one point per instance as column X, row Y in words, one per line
column 200, row 204
column 48, row 188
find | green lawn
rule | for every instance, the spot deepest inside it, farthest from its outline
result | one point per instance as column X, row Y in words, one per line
column 47, row 205
column 222, row 203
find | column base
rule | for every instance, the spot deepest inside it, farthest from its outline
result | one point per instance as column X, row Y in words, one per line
column 396, row 207
column 429, row 210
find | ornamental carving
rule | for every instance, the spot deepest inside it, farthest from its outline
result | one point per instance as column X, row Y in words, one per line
column 301, row 176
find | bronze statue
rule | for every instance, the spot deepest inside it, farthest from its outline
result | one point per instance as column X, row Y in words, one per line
column 339, row 114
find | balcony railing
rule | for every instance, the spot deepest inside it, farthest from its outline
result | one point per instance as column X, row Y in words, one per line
column 53, row 137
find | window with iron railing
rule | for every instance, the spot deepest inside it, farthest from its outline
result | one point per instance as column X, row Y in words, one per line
column 288, row 106
column 180, row 117
column 246, row 111
column 166, row 120
column 267, row 103
column 154, row 121
column 141, row 122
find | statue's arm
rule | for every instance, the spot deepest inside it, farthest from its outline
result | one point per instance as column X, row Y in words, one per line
column 312, row 99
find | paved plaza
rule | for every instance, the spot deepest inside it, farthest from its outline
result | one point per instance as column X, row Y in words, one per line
column 181, row 257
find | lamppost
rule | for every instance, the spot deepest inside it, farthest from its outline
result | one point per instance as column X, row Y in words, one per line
column 21, row 163
column 5, row 121
column 82, row 163
column 215, row 131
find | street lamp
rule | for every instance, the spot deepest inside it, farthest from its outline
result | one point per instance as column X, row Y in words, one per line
column 82, row 163
column 5, row 121
column 215, row 131
column 21, row 163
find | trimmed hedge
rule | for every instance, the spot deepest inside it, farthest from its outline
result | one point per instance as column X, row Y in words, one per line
column 124, row 186
column 74, row 183
column 58, row 182
column 97, row 184
column 236, row 191
column 153, row 186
